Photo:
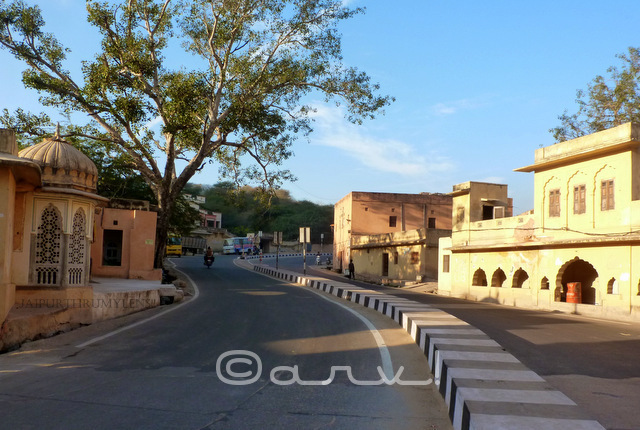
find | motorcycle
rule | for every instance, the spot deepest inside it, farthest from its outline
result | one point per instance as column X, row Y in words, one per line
column 208, row 261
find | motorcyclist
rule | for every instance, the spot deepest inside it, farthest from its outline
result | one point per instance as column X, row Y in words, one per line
column 208, row 255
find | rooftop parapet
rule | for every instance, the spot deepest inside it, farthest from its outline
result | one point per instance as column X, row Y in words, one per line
column 603, row 142
column 25, row 171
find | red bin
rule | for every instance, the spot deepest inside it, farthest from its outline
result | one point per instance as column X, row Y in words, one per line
column 574, row 292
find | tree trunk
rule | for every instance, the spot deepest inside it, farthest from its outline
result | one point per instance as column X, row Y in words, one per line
column 162, row 234
column 165, row 206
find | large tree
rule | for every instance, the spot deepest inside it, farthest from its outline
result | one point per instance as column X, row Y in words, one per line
column 244, row 96
column 607, row 102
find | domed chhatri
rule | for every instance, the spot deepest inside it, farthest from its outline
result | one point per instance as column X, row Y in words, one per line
column 63, row 166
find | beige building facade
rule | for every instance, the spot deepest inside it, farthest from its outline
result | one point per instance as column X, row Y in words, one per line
column 18, row 180
column 390, row 237
column 48, row 210
column 397, row 258
column 50, row 223
column 582, row 237
column 123, row 245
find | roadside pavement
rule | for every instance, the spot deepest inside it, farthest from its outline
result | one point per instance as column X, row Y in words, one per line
column 34, row 317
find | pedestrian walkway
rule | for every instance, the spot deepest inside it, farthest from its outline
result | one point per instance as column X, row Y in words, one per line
column 108, row 298
column 483, row 386
column 110, row 285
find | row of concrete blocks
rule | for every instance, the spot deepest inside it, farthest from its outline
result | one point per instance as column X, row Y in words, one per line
column 484, row 387
column 294, row 254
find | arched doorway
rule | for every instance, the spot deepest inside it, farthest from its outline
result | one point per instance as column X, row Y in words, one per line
column 577, row 270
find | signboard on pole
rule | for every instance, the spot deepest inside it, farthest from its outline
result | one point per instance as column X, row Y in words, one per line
column 305, row 234
column 277, row 240
column 305, row 237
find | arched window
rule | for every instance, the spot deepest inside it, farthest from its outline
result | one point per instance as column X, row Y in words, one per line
column 47, row 264
column 479, row 278
column 77, row 250
column 498, row 278
column 544, row 283
column 519, row 278
column 612, row 286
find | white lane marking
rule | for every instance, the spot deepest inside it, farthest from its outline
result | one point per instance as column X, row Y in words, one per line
column 385, row 356
column 144, row 321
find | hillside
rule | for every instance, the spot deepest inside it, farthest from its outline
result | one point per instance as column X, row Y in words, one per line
column 248, row 210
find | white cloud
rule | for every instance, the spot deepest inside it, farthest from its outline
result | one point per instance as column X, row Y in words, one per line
column 455, row 106
column 150, row 125
column 377, row 153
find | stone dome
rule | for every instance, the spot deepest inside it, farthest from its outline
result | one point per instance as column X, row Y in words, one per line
column 63, row 166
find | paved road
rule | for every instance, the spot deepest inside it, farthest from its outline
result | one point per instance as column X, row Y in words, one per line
column 169, row 372
column 594, row 362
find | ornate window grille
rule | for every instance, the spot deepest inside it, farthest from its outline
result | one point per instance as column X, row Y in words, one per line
column 77, row 250
column 48, row 245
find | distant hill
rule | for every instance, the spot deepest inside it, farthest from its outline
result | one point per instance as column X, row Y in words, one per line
column 248, row 210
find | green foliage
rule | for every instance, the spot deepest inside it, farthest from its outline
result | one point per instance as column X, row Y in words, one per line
column 289, row 216
column 117, row 177
column 26, row 125
column 183, row 218
column 243, row 211
column 607, row 102
column 242, row 98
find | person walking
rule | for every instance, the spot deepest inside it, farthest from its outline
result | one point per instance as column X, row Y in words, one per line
column 352, row 270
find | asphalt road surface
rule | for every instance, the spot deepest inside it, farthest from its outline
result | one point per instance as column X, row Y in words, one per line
column 249, row 352
column 594, row 362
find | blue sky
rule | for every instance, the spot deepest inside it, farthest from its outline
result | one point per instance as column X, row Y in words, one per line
column 478, row 84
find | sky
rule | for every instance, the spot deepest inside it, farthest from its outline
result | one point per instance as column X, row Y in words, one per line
column 478, row 84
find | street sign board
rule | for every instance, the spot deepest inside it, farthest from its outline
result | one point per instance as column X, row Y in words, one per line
column 305, row 234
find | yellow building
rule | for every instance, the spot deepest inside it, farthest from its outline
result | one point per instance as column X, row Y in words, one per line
column 390, row 237
column 583, row 234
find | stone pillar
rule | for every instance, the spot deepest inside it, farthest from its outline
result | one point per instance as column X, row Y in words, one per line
column 8, row 143
column 8, row 146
